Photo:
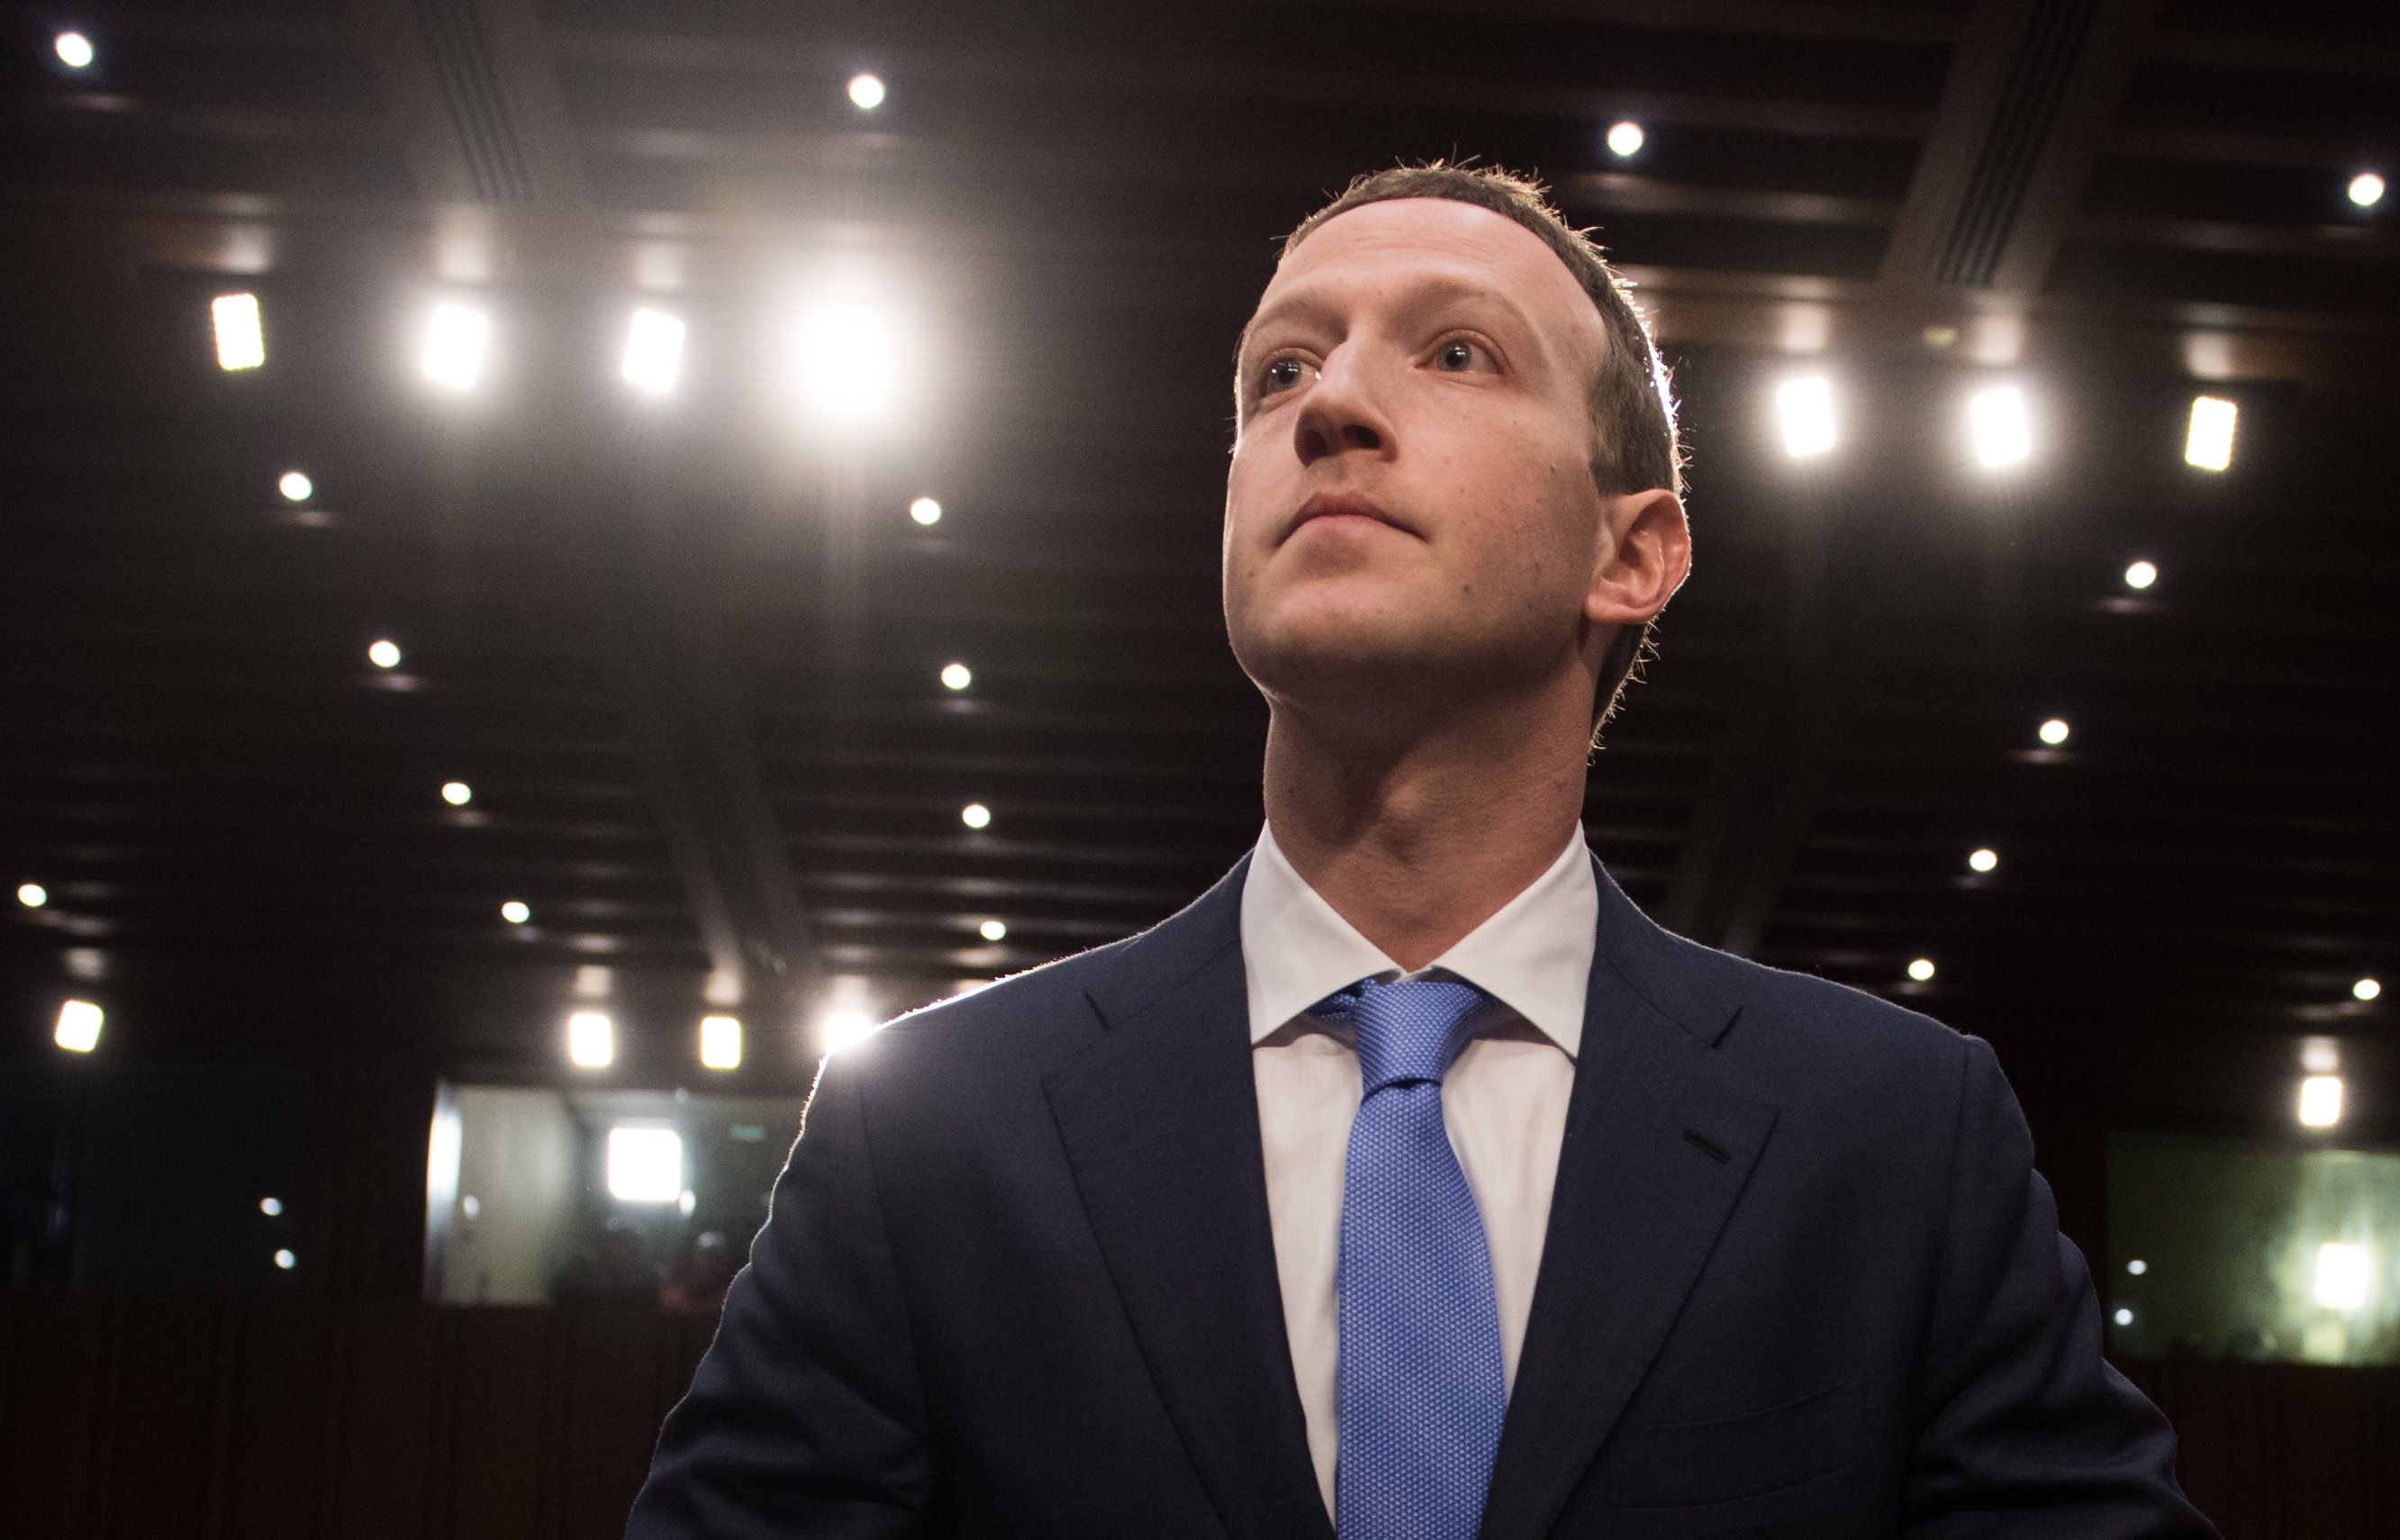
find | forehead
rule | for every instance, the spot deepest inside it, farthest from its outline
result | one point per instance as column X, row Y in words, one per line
column 1387, row 248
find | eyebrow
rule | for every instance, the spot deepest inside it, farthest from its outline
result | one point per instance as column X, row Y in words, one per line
column 1425, row 293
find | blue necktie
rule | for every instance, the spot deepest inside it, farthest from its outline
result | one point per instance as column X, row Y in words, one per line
column 1421, row 1387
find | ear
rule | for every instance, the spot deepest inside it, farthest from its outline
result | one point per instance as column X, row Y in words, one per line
column 1645, row 553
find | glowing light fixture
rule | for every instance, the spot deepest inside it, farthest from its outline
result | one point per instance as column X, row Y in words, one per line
column 2345, row 1274
column 653, row 351
column 591, row 1040
column 1625, row 140
column 285, row 1260
column 517, row 912
column 1805, row 407
column 241, row 342
column 2123, row 1317
column 974, row 816
column 957, row 675
column 2137, row 1267
column 720, row 1043
column 2141, row 574
column 644, row 1164
column 993, row 930
column 271, row 1207
column 458, row 792
column 1983, row 860
column 74, row 51
column 1921, row 970
column 1995, row 420
column 843, row 1027
column 78, row 1027
column 2209, row 443
column 33, row 895
column 295, row 486
column 2320, row 1101
column 2367, row 988
column 455, row 340
column 2365, row 188
column 2055, row 731
column 926, row 511
column 866, row 92
column 384, row 653
column 850, row 355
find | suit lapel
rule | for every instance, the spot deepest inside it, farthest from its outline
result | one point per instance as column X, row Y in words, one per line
column 1658, row 1148
column 1160, row 1122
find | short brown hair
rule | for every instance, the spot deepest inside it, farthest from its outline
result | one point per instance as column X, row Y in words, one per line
column 1633, row 442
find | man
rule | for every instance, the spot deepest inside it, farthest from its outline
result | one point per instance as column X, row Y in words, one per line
column 1411, row 1180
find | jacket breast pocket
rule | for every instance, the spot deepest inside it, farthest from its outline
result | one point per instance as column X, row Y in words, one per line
column 1662, row 1465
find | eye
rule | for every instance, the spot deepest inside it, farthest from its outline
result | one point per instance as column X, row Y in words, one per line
column 1279, row 374
column 1457, row 354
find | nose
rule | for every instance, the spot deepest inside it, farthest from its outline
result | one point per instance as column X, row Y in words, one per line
column 1340, row 412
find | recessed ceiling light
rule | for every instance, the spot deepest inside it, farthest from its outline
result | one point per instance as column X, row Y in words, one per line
column 271, row 1207
column 866, row 92
column 1921, row 968
column 2209, row 443
column 2320, row 1101
column 957, row 675
column 456, row 793
column 241, row 340
column 383, row 654
column 74, row 51
column 720, row 1043
column 517, row 912
column 2140, row 575
column 33, row 895
column 2123, row 1317
column 2367, row 988
column 1983, row 860
column 926, row 511
column 1806, row 408
column 285, row 1260
column 591, row 1040
column 993, row 930
column 1995, row 419
column 454, row 342
column 2055, row 731
column 1625, row 140
column 644, row 1164
column 653, row 351
column 841, row 1028
column 974, row 816
column 2365, row 189
column 295, row 486
column 78, row 1026
column 2137, row 1267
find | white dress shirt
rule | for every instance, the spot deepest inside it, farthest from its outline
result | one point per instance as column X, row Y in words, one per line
column 1503, row 1101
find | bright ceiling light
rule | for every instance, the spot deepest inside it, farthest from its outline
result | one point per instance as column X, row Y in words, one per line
column 271, row 1207
column 841, row 1028
column 926, row 511
column 2345, row 1276
column 295, row 486
column 957, row 675
column 653, row 351
column 1624, row 138
column 1984, row 860
column 1806, row 409
column 2365, row 188
column 644, row 1164
column 2137, row 1267
column 2055, row 731
column 76, row 52
column 455, row 340
column 993, row 930
column 517, row 912
column 2365, row 988
column 2141, row 574
column 2320, row 1101
column 720, row 1043
column 2209, row 443
column 383, row 654
column 1921, row 970
column 850, row 356
column 242, row 341
column 285, row 1260
column 458, row 792
column 866, row 92
column 2123, row 1317
column 591, row 1040
column 1995, row 419
column 33, row 895
column 78, row 1027
column 974, row 816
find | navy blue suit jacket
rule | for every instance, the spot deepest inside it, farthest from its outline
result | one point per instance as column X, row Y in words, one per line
column 1800, row 1278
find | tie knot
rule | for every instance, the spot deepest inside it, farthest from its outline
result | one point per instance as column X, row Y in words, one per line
column 1409, row 1030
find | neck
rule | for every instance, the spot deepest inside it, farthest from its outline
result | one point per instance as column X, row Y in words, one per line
column 1416, row 839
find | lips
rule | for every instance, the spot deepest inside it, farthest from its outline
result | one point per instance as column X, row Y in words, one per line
column 1339, row 505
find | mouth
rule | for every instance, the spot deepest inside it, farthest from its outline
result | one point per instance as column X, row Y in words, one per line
column 1340, row 505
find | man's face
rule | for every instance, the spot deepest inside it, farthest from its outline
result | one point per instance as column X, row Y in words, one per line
column 1431, row 358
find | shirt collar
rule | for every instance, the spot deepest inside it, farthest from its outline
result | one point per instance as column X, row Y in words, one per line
column 1534, row 954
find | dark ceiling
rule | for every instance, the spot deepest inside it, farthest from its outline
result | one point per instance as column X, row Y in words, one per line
column 686, row 651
